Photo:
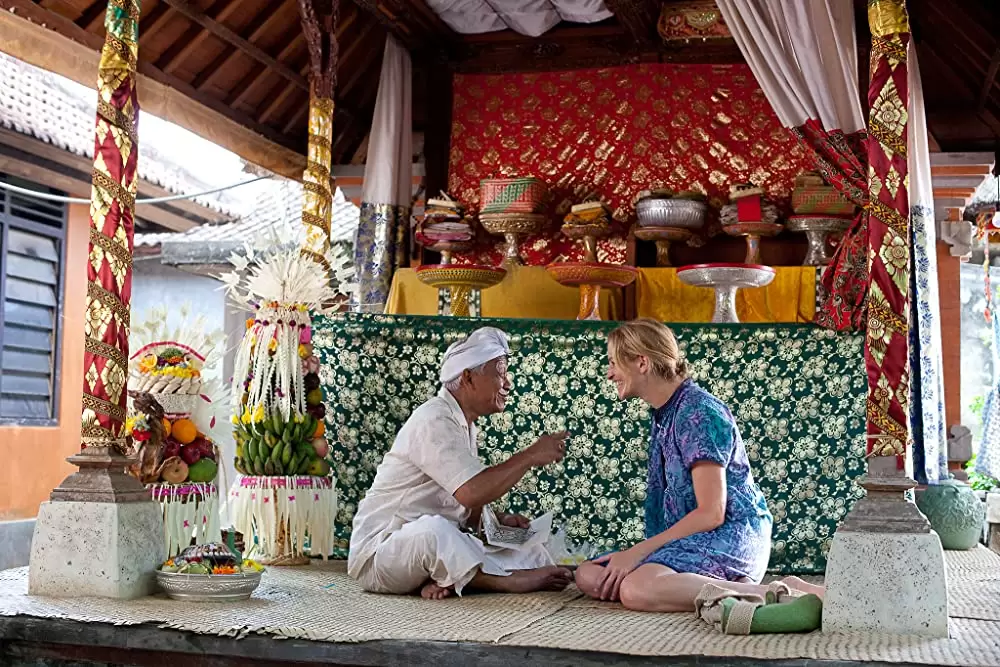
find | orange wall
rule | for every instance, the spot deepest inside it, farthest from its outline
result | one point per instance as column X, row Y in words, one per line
column 34, row 458
column 949, row 279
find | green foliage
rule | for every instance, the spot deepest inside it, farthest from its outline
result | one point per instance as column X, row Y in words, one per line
column 977, row 480
column 977, row 405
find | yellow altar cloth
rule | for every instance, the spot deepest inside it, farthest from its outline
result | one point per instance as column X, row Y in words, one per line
column 791, row 297
column 526, row 291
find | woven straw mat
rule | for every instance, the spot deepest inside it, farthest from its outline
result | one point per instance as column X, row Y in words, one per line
column 320, row 602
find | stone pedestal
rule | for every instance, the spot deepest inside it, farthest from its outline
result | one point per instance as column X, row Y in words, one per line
column 96, row 549
column 886, row 572
column 100, row 535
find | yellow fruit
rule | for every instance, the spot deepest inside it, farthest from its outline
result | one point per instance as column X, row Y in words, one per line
column 320, row 430
column 166, row 427
column 184, row 431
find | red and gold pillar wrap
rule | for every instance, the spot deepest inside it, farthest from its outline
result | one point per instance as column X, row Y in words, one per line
column 112, row 204
column 317, row 198
column 886, row 337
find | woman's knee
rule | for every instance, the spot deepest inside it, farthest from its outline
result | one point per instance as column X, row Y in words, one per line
column 587, row 577
column 634, row 593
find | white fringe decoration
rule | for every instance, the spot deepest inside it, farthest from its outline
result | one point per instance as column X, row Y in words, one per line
column 190, row 510
column 304, row 505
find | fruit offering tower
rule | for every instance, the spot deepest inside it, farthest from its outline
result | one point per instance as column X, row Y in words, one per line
column 286, row 497
column 170, row 416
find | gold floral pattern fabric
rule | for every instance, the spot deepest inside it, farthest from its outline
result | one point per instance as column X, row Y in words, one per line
column 797, row 392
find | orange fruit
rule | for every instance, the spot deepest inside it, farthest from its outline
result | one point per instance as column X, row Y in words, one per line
column 320, row 430
column 184, row 431
column 166, row 427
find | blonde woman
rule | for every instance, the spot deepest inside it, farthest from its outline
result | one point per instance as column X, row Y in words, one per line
column 706, row 518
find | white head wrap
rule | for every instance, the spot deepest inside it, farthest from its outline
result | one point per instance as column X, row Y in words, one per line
column 482, row 345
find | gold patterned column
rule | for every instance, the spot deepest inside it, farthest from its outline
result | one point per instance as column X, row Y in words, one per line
column 887, row 333
column 317, row 195
column 109, row 269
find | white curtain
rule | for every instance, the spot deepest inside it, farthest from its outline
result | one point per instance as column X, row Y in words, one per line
column 927, row 424
column 804, row 56
column 380, row 246
column 527, row 17
column 389, row 166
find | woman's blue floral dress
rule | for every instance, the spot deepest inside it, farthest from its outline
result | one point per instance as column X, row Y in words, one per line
column 696, row 426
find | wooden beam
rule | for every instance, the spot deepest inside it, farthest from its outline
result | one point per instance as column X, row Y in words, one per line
column 963, row 83
column 257, row 29
column 249, row 83
column 639, row 17
column 67, row 49
column 194, row 36
column 991, row 75
column 90, row 19
column 359, row 72
column 414, row 24
column 277, row 101
column 150, row 24
column 227, row 35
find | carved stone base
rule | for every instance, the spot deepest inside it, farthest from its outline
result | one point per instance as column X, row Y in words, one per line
column 100, row 479
column 886, row 570
column 101, row 549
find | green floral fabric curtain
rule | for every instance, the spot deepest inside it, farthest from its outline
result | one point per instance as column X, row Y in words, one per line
column 797, row 391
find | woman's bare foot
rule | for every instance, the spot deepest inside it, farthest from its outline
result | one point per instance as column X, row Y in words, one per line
column 551, row 578
column 432, row 591
column 798, row 584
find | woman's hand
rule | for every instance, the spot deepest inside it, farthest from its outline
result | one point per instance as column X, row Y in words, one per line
column 618, row 566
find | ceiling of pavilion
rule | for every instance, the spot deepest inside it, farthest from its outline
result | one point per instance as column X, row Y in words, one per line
column 247, row 59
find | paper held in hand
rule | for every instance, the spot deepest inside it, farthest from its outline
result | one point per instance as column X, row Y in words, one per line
column 498, row 535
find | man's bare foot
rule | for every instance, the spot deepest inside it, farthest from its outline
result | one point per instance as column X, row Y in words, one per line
column 551, row 578
column 432, row 591
column 798, row 584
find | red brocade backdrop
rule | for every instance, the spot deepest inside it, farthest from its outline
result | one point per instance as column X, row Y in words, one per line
column 612, row 133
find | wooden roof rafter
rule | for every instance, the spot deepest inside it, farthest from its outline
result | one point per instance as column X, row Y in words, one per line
column 227, row 35
column 413, row 23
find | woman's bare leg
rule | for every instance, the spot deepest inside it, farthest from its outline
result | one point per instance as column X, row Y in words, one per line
column 653, row 587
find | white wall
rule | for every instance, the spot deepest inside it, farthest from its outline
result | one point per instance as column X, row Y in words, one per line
column 154, row 284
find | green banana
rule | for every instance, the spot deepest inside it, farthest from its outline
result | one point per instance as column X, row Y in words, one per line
column 258, row 468
column 278, row 468
column 253, row 450
column 240, row 468
column 263, row 451
column 268, row 468
column 286, row 455
column 276, row 452
column 270, row 439
column 293, row 464
column 303, row 466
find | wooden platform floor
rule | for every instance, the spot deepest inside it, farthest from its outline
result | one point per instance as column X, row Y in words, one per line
column 317, row 615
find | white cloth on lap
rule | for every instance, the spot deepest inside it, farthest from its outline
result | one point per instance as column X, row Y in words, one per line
column 434, row 548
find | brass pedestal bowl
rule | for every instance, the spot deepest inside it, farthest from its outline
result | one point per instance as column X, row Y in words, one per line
column 460, row 280
column 590, row 277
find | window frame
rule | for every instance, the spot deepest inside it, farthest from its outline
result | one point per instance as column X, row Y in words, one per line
column 10, row 221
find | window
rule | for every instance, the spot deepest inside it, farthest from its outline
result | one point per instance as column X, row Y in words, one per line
column 32, row 234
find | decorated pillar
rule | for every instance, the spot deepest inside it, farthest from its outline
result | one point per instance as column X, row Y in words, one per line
column 109, row 270
column 121, row 542
column 907, row 593
column 886, row 335
column 317, row 188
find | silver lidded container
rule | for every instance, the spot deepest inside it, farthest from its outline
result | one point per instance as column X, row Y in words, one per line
column 675, row 213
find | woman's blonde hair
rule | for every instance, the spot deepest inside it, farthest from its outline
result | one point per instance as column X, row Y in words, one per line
column 651, row 339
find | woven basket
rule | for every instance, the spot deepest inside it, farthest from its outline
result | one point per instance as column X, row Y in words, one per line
column 822, row 200
column 511, row 195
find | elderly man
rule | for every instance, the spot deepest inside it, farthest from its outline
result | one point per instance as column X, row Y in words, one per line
column 411, row 531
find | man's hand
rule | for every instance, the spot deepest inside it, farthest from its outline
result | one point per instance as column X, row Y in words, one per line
column 515, row 521
column 549, row 448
